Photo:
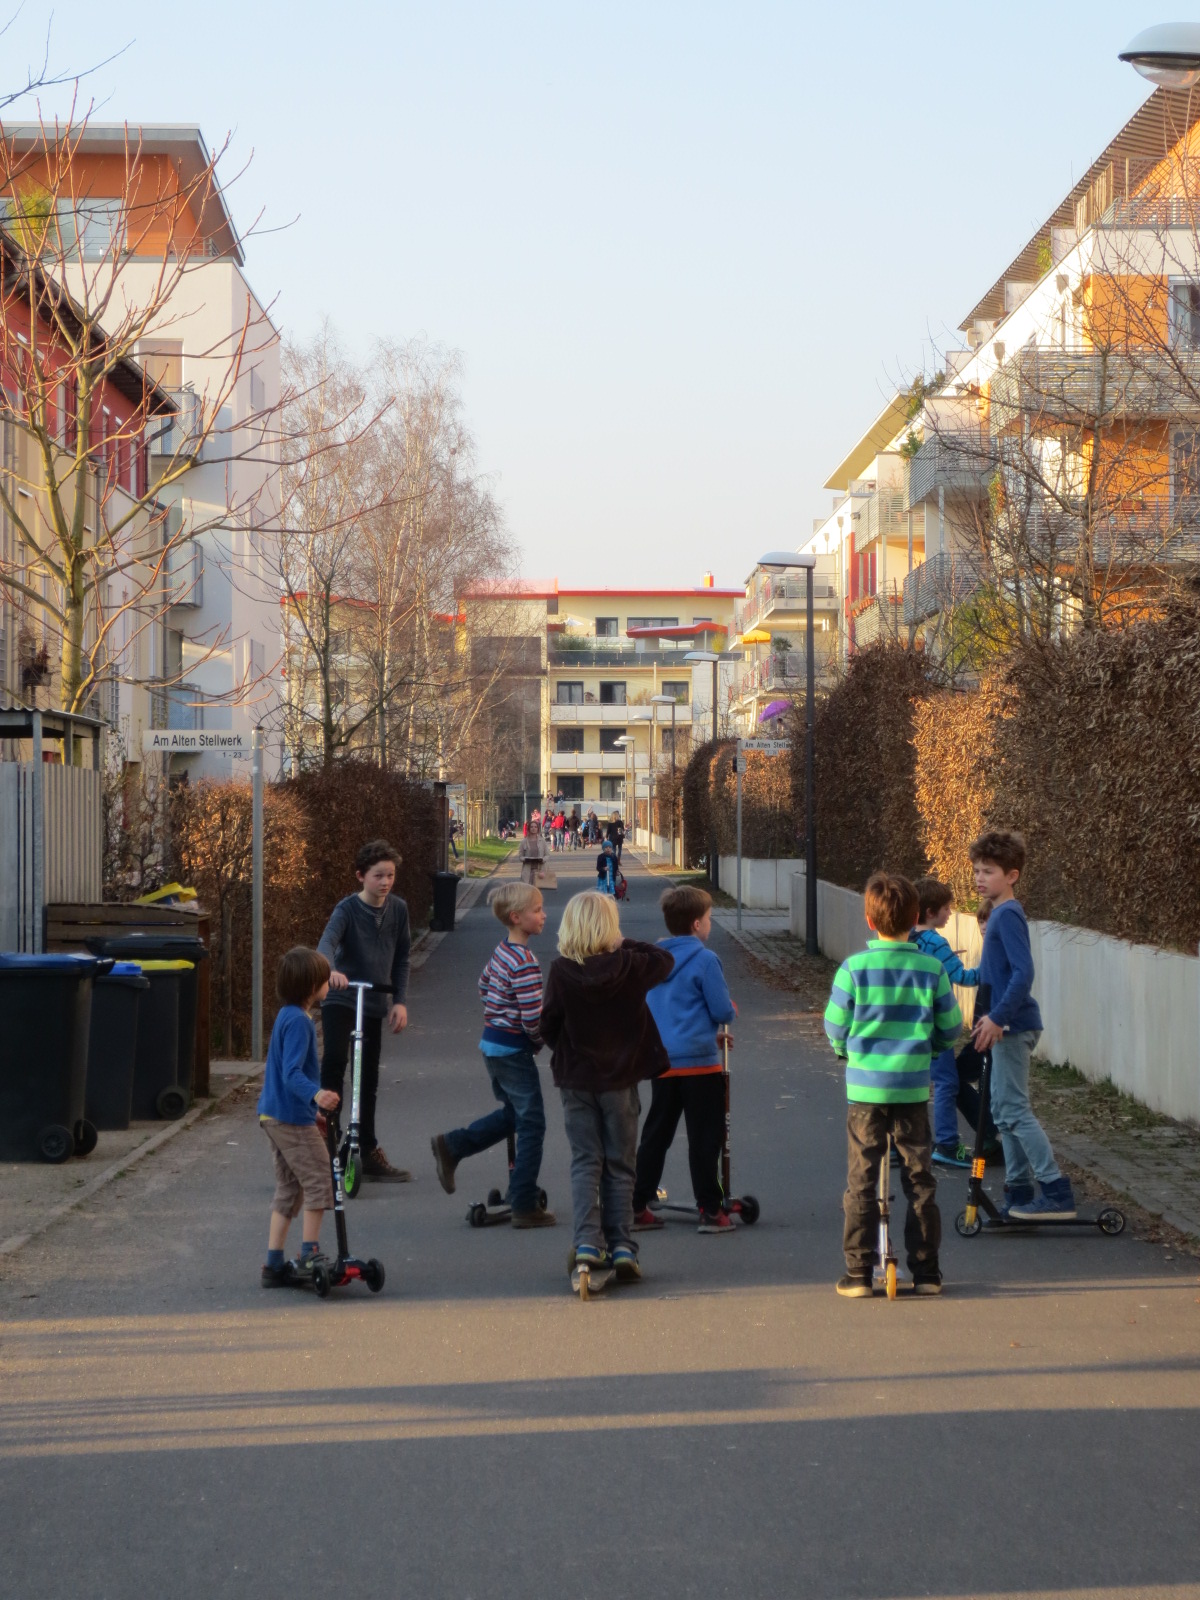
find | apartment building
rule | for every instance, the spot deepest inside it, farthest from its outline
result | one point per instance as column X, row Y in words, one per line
column 216, row 665
column 771, row 628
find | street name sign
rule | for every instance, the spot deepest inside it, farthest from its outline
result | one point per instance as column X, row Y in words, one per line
column 176, row 742
column 764, row 747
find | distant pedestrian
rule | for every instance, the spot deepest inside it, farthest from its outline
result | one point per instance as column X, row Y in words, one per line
column 890, row 1010
column 616, row 833
column 1010, row 1030
column 531, row 853
column 511, row 988
column 288, row 1113
column 604, row 1042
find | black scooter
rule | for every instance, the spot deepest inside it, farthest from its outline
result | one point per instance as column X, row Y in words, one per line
column 326, row 1274
column 496, row 1210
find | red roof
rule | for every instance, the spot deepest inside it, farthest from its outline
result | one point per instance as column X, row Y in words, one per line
column 549, row 589
column 684, row 631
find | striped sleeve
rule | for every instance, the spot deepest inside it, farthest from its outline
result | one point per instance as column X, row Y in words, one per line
column 947, row 1018
column 526, row 983
column 839, row 1013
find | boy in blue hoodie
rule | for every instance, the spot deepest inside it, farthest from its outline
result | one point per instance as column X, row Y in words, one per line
column 288, row 1109
column 688, row 1009
column 937, row 902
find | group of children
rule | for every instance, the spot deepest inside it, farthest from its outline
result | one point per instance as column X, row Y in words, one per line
column 615, row 1012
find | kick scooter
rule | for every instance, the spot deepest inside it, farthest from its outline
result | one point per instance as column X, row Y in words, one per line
column 980, row 1204
column 496, row 1209
column 350, row 1153
column 326, row 1274
column 886, row 1272
column 745, row 1207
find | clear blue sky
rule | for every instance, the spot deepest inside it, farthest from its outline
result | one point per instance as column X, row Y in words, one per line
column 684, row 248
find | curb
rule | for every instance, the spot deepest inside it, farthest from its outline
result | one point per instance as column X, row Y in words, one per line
column 156, row 1141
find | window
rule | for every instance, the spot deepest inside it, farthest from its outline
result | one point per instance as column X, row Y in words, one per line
column 654, row 622
column 677, row 689
column 162, row 360
column 569, row 694
column 612, row 694
column 612, row 788
column 609, row 737
column 571, row 788
column 675, row 745
column 570, row 741
column 88, row 227
column 606, row 627
column 1184, row 315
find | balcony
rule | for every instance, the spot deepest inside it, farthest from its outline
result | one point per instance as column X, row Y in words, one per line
column 956, row 463
column 1081, row 386
column 621, row 653
column 178, row 706
column 940, row 582
column 573, row 716
column 881, row 618
column 598, row 761
column 882, row 514
column 178, row 437
column 783, row 600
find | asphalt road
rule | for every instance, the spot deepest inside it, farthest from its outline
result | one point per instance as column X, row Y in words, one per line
column 729, row 1427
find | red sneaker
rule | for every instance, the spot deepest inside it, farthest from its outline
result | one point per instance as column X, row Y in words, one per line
column 716, row 1222
column 645, row 1220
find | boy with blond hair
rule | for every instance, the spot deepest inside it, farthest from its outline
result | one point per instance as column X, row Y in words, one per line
column 511, row 988
column 604, row 1042
column 1010, row 1030
column 890, row 1011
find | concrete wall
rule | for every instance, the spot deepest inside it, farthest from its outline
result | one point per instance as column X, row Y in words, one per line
column 766, row 885
column 1118, row 1012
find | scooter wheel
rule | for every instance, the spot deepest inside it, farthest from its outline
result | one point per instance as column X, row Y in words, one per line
column 748, row 1209
column 56, row 1143
column 965, row 1229
column 172, row 1102
column 373, row 1275
column 352, row 1177
column 889, row 1281
column 495, row 1198
column 477, row 1215
column 585, row 1283
column 321, row 1281
column 1111, row 1221
column 86, row 1137
column 543, row 1200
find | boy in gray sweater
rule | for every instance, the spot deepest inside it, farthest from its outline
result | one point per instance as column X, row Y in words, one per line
column 366, row 940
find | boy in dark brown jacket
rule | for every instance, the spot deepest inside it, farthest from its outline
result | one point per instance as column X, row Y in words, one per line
column 604, row 1042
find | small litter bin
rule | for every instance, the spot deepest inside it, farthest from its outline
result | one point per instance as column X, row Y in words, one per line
column 112, row 1045
column 445, row 901
column 45, row 1004
column 154, row 948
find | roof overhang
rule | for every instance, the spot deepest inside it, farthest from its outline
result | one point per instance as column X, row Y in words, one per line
column 686, row 631
column 183, row 142
column 881, row 433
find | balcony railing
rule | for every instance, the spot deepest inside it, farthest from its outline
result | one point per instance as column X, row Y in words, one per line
column 881, row 515
column 623, row 653
column 880, row 618
column 959, row 463
column 180, row 434
column 942, row 581
column 1084, row 385
column 597, row 761
column 773, row 596
column 584, row 715
column 177, row 705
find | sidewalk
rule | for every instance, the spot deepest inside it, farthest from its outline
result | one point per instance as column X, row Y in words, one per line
column 1112, row 1146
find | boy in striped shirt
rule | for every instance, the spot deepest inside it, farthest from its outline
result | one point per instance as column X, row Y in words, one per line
column 511, row 989
column 890, row 1011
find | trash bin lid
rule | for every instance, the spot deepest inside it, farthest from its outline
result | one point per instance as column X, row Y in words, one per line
column 167, row 966
column 161, row 945
column 52, row 961
column 126, row 973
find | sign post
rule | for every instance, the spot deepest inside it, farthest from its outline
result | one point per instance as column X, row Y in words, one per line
column 256, row 850
column 765, row 747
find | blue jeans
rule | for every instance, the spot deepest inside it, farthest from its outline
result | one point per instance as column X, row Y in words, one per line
column 944, row 1075
column 516, row 1085
column 602, row 1132
column 1027, row 1151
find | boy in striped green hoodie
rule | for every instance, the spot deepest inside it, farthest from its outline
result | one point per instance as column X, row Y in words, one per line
column 891, row 1010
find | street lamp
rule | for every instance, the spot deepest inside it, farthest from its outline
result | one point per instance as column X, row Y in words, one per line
column 1167, row 54
column 779, row 561
column 637, row 720
column 669, row 700
column 626, row 741
column 710, row 655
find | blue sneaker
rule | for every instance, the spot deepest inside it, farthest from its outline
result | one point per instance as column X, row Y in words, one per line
column 1056, row 1203
column 625, row 1263
column 1016, row 1194
column 951, row 1155
column 591, row 1266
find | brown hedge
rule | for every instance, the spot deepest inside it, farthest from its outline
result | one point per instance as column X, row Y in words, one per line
column 312, row 828
column 710, row 804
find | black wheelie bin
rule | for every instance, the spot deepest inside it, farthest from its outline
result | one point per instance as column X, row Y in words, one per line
column 112, row 1045
column 151, row 951
column 45, row 1003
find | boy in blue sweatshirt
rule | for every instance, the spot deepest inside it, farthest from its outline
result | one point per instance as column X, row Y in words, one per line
column 937, row 902
column 287, row 1113
column 1010, row 1030
column 688, row 1009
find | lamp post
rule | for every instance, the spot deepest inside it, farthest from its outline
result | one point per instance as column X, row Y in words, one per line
column 1168, row 54
column 714, row 872
column 638, row 720
column 669, row 700
column 780, row 561
column 626, row 742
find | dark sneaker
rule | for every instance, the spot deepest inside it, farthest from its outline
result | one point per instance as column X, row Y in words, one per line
column 645, row 1220
column 856, row 1286
column 927, row 1283
column 1056, row 1203
column 716, row 1222
column 534, row 1219
column 1015, row 1194
column 377, row 1168
column 444, row 1162
column 626, row 1264
column 951, row 1155
column 277, row 1277
column 993, row 1153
